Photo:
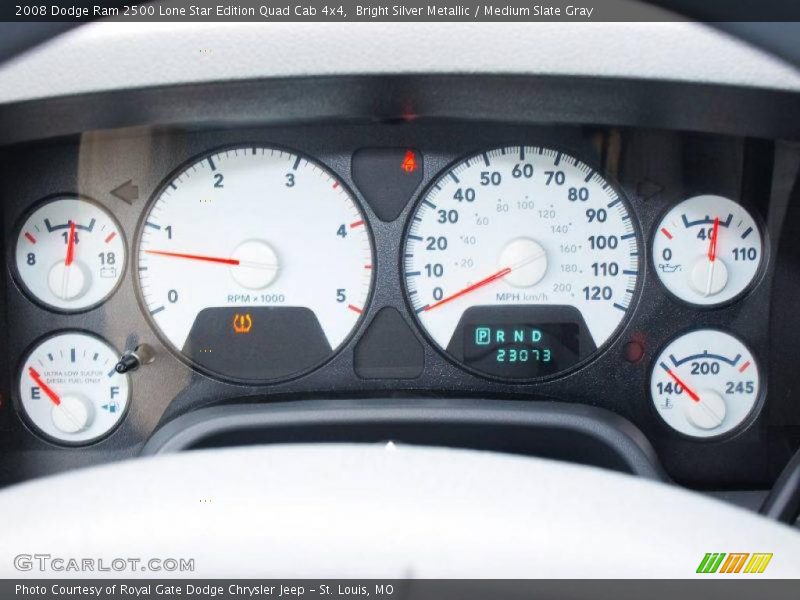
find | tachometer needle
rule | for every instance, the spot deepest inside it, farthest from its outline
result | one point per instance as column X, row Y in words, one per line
column 494, row 277
column 689, row 391
column 70, row 245
column 212, row 259
column 44, row 387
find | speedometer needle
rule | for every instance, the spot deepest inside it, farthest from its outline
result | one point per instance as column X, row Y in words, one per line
column 212, row 259
column 689, row 391
column 494, row 277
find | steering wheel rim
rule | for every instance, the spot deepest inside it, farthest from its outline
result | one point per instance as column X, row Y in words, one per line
column 339, row 510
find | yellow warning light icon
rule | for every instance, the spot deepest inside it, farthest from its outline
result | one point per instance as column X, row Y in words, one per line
column 242, row 323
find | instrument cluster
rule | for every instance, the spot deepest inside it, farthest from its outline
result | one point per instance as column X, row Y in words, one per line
column 153, row 272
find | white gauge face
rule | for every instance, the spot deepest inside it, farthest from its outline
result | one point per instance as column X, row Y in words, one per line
column 521, row 261
column 70, row 390
column 255, row 263
column 705, row 383
column 70, row 254
column 707, row 250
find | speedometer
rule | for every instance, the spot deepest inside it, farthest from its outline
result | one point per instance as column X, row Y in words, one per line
column 255, row 263
column 521, row 262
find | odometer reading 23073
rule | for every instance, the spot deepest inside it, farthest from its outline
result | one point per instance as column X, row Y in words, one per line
column 521, row 262
column 255, row 263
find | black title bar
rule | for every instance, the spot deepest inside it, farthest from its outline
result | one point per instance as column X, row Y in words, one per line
column 399, row 10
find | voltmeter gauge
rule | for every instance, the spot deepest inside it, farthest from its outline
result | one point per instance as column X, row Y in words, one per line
column 70, row 390
column 707, row 250
column 70, row 254
column 705, row 383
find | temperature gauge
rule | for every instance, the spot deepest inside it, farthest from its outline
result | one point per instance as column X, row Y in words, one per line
column 70, row 254
column 70, row 390
column 705, row 383
column 707, row 250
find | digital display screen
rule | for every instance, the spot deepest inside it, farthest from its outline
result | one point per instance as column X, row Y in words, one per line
column 521, row 342
column 521, row 350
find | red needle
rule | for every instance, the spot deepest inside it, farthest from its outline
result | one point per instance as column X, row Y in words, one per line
column 45, row 388
column 213, row 259
column 499, row 275
column 70, row 244
column 712, row 247
column 677, row 379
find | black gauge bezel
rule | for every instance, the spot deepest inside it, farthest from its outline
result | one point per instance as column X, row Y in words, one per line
column 23, row 414
column 197, row 158
column 758, row 276
column 635, row 296
column 13, row 242
column 751, row 416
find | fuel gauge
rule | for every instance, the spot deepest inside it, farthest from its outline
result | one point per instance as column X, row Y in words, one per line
column 70, row 389
column 70, row 254
column 705, row 383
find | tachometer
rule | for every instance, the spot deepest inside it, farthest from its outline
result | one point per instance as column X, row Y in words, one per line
column 521, row 262
column 255, row 263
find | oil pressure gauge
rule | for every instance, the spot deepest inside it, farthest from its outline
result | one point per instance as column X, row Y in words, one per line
column 707, row 250
column 705, row 383
column 70, row 390
column 70, row 254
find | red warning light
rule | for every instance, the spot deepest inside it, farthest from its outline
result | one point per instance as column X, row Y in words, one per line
column 409, row 164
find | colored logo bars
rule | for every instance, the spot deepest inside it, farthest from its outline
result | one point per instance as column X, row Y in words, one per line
column 734, row 562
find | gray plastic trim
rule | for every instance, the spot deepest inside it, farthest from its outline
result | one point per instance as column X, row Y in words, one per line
column 636, row 103
column 783, row 502
column 107, row 56
column 600, row 425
